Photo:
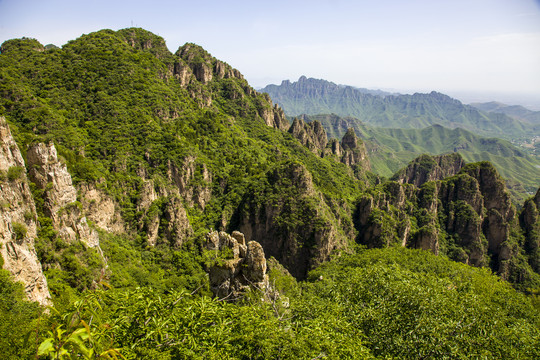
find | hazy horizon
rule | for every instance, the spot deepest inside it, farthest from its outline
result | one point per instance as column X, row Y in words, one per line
column 474, row 50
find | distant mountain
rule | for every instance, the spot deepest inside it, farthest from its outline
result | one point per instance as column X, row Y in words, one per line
column 391, row 149
column 313, row 96
column 516, row 111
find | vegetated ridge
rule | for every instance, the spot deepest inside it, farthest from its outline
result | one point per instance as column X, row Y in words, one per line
column 124, row 168
column 391, row 149
column 312, row 97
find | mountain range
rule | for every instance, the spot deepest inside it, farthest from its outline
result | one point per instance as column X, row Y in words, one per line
column 161, row 208
column 391, row 149
column 516, row 111
column 313, row 96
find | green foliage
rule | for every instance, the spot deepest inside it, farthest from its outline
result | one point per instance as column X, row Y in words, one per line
column 411, row 304
column 19, row 230
column 15, row 172
column 131, row 263
column 121, row 113
column 145, row 324
column 72, row 337
column 19, row 320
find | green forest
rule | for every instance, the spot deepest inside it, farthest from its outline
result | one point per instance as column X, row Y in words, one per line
column 363, row 261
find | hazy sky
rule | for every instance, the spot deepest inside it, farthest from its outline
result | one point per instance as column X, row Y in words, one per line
column 459, row 47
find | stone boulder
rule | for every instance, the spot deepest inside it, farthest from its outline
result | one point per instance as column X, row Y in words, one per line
column 236, row 266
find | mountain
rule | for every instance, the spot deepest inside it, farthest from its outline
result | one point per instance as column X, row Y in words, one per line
column 312, row 97
column 516, row 111
column 391, row 149
column 168, row 210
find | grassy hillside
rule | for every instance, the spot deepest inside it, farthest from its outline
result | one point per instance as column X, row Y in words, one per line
column 516, row 111
column 312, row 96
column 391, row 149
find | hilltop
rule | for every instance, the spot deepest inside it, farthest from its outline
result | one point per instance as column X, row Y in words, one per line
column 165, row 209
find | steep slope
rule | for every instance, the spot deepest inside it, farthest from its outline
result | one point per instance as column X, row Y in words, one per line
column 173, row 146
column 18, row 225
column 171, row 142
column 312, row 96
column 391, row 149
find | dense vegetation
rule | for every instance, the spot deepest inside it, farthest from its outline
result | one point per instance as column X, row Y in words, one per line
column 127, row 115
column 387, row 303
column 391, row 149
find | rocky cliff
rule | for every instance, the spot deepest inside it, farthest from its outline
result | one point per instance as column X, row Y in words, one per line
column 429, row 168
column 60, row 196
column 352, row 151
column 18, row 221
column 468, row 216
column 529, row 219
column 236, row 265
column 312, row 135
column 290, row 219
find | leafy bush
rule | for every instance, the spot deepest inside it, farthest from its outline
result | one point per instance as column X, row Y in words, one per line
column 411, row 304
column 15, row 172
column 19, row 230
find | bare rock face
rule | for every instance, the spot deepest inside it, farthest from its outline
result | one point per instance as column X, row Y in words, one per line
column 101, row 209
column 61, row 205
column 312, row 135
column 240, row 268
column 273, row 116
column 178, row 228
column 18, row 226
column 429, row 168
column 353, row 151
column 165, row 216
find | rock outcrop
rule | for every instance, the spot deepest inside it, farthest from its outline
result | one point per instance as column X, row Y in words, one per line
column 165, row 218
column 184, row 178
column 236, row 266
column 273, row 116
column 291, row 220
column 472, row 209
column 353, row 151
column 429, row 168
column 312, row 135
column 101, row 209
column 18, row 227
column 61, row 205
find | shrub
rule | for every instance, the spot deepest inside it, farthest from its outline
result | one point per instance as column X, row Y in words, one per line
column 19, row 230
column 14, row 173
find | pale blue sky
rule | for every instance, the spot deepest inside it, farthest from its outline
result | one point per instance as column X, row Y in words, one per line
column 483, row 48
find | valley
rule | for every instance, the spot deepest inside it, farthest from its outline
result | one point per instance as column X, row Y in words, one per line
column 153, row 205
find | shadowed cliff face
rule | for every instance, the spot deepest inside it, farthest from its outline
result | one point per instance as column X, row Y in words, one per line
column 529, row 219
column 467, row 216
column 289, row 219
